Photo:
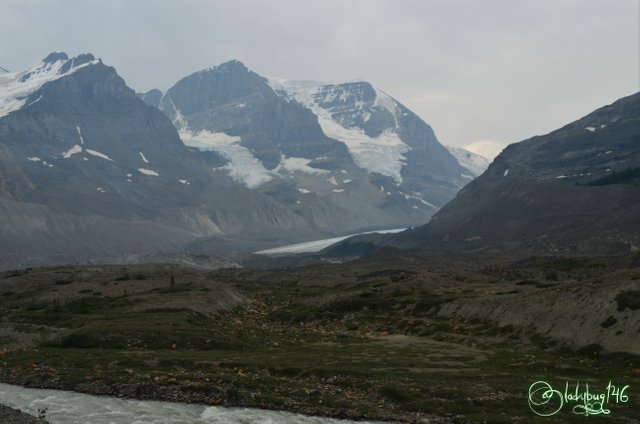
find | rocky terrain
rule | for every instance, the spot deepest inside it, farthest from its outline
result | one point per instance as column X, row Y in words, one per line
column 573, row 191
column 90, row 173
column 11, row 416
column 400, row 336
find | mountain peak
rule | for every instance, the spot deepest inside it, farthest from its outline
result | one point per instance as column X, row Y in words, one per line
column 16, row 87
column 231, row 66
column 55, row 57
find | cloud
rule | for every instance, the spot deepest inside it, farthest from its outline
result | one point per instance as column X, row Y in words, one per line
column 487, row 148
column 474, row 70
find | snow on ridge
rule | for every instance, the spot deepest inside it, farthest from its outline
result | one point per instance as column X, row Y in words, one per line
column 16, row 87
column 243, row 167
column 294, row 164
column 72, row 151
column 383, row 154
column 98, row 154
column 80, row 135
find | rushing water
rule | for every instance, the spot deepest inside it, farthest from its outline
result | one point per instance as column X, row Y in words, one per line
column 64, row 407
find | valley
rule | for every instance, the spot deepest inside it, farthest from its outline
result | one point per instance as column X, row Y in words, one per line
column 398, row 336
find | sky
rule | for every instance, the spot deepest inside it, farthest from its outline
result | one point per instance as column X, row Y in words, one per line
column 483, row 74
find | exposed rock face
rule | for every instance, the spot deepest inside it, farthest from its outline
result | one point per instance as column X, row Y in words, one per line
column 344, row 157
column 89, row 172
column 576, row 190
column 12, row 416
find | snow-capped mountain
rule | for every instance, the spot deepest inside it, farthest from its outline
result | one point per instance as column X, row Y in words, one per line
column 475, row 163
column 90, row 172
column 324, row 140
column 575, row 190
column 16, row 87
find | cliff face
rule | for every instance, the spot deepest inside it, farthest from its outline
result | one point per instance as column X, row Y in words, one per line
column 573, row 190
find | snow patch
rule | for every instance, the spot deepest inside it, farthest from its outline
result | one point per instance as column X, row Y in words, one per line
column 383, row 154
column 179, row 122
column 98, row 154
column 304, row 190
column 338, row 190
column 591, row 129
column 333, row 180
column 148, row 172
column 561, row 176
column 34, row 159
column 505, row 173
column 72, row 151
column 185, row 182
column 80, row 135
column 36, row 100
column 243, row 166
column 294, row 164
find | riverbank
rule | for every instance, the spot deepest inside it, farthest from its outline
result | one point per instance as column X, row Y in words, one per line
column 12, row 416
column 382, row 339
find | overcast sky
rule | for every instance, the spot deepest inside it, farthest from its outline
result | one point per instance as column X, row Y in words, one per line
column 482, row 73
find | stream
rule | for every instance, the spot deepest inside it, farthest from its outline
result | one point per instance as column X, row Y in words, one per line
column 64, row 407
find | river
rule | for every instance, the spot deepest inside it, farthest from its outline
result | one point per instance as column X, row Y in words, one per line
column 63, row 407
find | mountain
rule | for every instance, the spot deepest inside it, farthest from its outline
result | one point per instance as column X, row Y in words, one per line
column 87, row 170
column 346, row 147
column 575, row 190
column 92, row 172
column 475, row 163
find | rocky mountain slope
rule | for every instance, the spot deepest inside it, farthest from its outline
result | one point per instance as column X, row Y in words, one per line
column 90, row 172
column 347, row 146
column 574, row 190
column 87, row 169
